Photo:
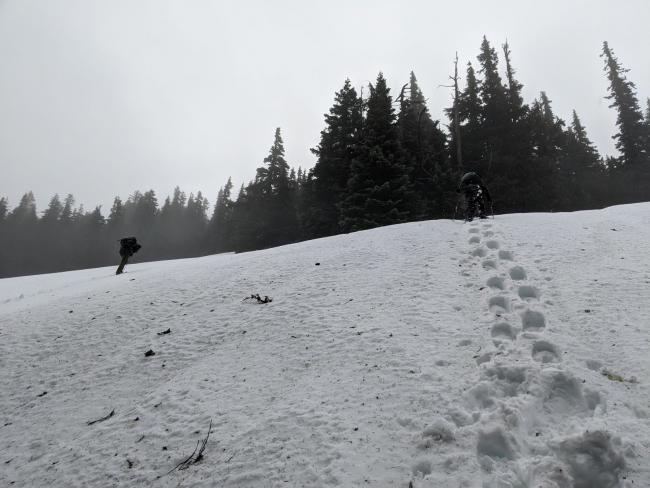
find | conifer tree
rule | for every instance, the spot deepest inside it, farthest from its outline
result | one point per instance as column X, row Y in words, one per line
column 220, row 227
column 53, row 212
column 338, row 147
column 22, row 244
column 266, row 215
column 246, row 235
column 630, row 140
column 90, row 235
column 516, row 108
column 581, row 169
column 50, row 231
column 495, row 114
column 378, row 190
column 498, row 164
column 140, row 212
column 67, row 213
column 470, row 114
column 195, row 223
column 541, row 171
column 423, row 144
column 25, row 212
column 116, row 219
column 274, row 177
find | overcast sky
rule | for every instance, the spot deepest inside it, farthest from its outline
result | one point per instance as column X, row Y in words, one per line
column 99, row 98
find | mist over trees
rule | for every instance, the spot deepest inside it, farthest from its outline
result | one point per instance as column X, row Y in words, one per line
column 382, row 159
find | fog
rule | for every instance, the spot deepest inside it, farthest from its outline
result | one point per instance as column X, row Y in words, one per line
column 102, row 98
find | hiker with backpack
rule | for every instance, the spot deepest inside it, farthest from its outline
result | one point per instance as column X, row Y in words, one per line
column 128, row 247
column 476, row 195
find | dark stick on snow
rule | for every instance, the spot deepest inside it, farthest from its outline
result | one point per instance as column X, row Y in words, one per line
column 102, row 419
column 191, row 459
column 259, row 299
column 186, row 462
column 199, row 456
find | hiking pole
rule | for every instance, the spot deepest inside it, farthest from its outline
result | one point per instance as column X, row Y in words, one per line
column 456, row 209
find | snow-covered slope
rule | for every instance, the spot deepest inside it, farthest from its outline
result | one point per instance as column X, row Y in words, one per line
column 431, row 354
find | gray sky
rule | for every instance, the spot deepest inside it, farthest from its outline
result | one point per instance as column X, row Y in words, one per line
column 99, row 98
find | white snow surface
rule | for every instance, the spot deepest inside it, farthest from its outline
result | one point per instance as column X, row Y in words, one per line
column 428, row 354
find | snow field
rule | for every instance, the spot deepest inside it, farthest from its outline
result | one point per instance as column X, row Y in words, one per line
column 426, row 354
column 541, row 425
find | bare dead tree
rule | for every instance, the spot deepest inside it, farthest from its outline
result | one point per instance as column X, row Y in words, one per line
column 400, row 97
column 459, row 151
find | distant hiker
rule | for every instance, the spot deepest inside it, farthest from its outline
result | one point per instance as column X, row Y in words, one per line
column 128, row 247
column 476, row 196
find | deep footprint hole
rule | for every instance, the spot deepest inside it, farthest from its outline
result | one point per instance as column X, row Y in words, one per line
column 499, row 303
column 533, row 320
column 518, row 273
column 481, row 252
column 527, row 291
column 545, row 352
column 495, row 282
column 503, row 329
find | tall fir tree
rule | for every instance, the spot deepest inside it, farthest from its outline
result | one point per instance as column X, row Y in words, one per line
column 220, row 229
column 266, row 215
column 424, row 151
column 195, row 223
column 541, row 171
column 630, row 139
column 581, row 169
column 51, row 231
column 498, row 165
column 68, row 211
column 495, row 113
column 116, row 219
column 338, row 147
column 516, row 107
column 53, row 211
column 378, row 191
column 470, row 110
column 22, row 243
column 25, row 212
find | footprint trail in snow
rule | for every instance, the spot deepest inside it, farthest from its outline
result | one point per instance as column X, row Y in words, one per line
column 530, row 421
column 529, row 409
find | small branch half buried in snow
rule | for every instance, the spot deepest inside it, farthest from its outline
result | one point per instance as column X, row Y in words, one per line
column 102, row 419
column 196, row 455
column 259, row 299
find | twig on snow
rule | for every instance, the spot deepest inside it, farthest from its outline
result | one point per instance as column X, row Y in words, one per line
column 102, row 419
column 196, row 455
column 259, row 299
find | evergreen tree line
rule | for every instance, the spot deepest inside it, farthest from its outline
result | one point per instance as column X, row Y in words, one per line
column 381, row 160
